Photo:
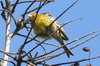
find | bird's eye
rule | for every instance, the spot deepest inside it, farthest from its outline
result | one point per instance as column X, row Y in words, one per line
column 49, row 15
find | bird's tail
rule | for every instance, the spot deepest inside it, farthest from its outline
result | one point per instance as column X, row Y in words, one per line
column 67, row 51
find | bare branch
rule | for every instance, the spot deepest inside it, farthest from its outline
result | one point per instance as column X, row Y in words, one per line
column 28, row 9
column 13, row 9
column 38, row 40
column 83, row 36
column 8, row 54
column 75, row 61
column 3, row 15
column 64, row 11
column 38, row 7
column 85, row 40
column 8, row 61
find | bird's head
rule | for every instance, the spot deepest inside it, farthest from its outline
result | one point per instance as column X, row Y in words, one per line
column 32, row 16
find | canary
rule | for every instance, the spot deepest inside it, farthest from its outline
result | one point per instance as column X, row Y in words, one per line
column 41, row 23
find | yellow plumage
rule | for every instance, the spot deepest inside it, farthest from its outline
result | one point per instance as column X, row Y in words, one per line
column 41, row 24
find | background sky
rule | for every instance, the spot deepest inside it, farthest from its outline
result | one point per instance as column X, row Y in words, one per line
column 88, row 9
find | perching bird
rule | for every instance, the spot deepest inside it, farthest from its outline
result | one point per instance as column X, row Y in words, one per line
column 41, row 24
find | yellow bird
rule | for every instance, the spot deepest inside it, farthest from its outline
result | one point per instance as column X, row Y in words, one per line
column 41, row 24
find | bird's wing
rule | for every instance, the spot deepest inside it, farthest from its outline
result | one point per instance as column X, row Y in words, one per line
column 63, row 34
column 59, row 38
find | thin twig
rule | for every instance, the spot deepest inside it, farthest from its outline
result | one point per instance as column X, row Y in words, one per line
column 85, row 40
column 15, row 5
column 75, row 61
column 3, row 13
column 37, row 7
column 83, row 36
column 38, row 40
column 28, row 9
column 25, row 2
column 22, row 2
column 47, row 58
column 10, row 15
column 8, row 61
column 7, row 54
column 64, row 11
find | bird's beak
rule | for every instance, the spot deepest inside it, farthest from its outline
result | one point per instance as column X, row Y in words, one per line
column 29, row 15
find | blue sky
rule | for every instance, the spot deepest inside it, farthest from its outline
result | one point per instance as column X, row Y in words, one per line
column 88, row 9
